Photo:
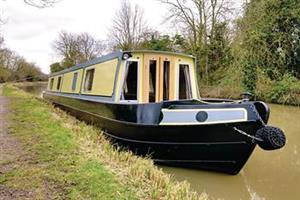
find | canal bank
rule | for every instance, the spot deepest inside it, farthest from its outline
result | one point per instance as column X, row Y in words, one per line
column 69, row 159
column 285, row 96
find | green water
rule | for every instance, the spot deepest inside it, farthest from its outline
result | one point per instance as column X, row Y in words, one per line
column 268, row 175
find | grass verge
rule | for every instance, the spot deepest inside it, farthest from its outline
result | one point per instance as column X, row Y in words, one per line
column 71, row 160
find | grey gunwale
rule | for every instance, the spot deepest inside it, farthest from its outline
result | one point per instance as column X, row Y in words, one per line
column 95, row 98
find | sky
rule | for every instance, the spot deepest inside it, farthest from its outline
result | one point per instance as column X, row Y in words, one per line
column 30, row 31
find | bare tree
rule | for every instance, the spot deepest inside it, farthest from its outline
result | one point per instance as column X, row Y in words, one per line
column 15, row 68
column 129, row 27
column 89, row 47
column 1, row 42
column 77, row 48
column 35, row 3
column 8, row 59
column 198, row 20
column 67, row 46
column 40, row 3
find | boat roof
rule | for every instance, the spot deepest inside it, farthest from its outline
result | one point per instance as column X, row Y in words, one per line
column 113, row 55
column 159, row 52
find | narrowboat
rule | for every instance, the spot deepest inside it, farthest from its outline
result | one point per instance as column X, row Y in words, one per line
column 148, row 102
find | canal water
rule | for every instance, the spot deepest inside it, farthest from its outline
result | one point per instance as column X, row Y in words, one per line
column 34, row 88
column 268, row 175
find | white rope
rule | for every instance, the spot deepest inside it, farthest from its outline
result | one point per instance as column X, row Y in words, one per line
column 246, row 134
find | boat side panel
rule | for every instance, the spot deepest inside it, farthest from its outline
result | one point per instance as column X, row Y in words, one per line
column 49, row 83
column 55, row 83
column 68, row 81
column 104, row 78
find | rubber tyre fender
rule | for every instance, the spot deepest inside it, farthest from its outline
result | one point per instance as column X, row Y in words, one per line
column 273, row 138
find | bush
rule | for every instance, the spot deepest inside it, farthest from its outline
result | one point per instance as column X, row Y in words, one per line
column 284, row 91
column 4, row 75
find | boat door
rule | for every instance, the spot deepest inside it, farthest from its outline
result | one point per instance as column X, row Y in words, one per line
column 158, row 78
column 130, row 81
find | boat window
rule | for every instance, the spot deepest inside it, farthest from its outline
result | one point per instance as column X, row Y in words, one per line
column 129, row 91
column 58, row 83
column 51, row 83
column 74, row 82
column 88, row 81
column 152, row 80
column 166, row 80
column 185, row 91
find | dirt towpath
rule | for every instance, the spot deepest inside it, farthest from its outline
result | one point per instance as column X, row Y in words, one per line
column 10, row 153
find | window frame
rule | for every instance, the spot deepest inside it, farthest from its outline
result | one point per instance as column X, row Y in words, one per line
column 51, row 84
column 85, row 79
column 167, row 83
column 125, row 66
column 190, row 67
column 155, row 83
column 74, row 82
column 59, row 83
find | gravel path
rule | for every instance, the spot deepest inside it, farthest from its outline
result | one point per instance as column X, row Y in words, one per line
column 10, row 153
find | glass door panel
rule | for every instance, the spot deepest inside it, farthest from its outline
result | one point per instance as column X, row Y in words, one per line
column 157, row 79
column 153, row 81
column 167, row 78
column 185, row 89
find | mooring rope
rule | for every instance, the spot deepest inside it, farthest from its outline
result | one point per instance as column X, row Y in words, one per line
column 246, row 134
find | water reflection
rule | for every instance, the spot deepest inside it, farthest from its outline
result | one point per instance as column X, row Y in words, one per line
column 33, row 88
column 267, row 174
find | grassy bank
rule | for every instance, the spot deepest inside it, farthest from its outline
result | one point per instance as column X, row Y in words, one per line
column 67, row 159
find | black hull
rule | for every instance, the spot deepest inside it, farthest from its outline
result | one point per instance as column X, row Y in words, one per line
column 214, row 147
column 193, row 155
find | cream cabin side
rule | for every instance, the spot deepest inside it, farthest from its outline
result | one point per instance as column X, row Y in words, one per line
column 92, row 79
column 131, row 77
column 149, row 77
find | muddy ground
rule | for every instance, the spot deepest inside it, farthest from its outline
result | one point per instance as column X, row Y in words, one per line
column 11, row 154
